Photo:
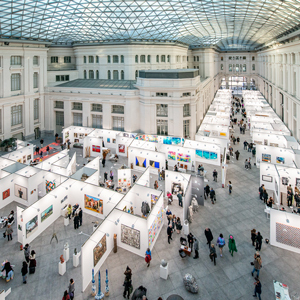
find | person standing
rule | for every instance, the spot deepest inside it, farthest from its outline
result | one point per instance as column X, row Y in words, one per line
column 127, row 285
column 256, row 264
column 169, row 215
column 196, row 248
column 206, row 191
column 190, row 238
column 257, row 289
column 9, row 272
column 71, row 288
column 48, row 149
column 265, row 196
column 24, row 271
column 229, row 187
column 105, row 176
column 221, row 243
column 148, row 257
column 212, row 253
column 258, row 240
column 103, row 162
column 209, row 236
column 215, row 175
column 212, row 195
column 69, row 211
column 261, row 191
column 169, row 232
column 179, row 196
column 111, row 175
column 42, row 143
column 8, row 232
column 66, row 296
column 237, row 154
column 155, row 185
column 80, row 216
column 76, row 221
column 253, row 236
column 32, row 262
column 231, row 245
column 178, row 225
column 27, row 252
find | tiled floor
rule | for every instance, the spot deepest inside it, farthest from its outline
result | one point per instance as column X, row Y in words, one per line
column 229, row 279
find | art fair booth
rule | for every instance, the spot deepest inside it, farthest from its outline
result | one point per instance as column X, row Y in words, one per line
column 75, row 135
column 23, row 154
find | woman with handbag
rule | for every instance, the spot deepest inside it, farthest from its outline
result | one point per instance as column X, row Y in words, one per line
column 32, row 262
column 71, row 288
column 221, row 243
column 256, row 264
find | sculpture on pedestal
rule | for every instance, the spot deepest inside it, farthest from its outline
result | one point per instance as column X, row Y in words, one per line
column 62, row 260
column 66, row 245
column 93, row 284
column 115, row 243
column 100, row 295
column 75, row 251
column 106, row 284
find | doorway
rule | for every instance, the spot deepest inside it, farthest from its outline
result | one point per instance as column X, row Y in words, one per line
column 37, row 133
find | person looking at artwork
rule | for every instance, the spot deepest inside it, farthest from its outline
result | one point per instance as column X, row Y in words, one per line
column 27, row 252
column 170, row 198
column 179, row 196
column 24, row 271
column 169, row 232
column 71, row 289
column 237, row 154
column 20, row 193
column 270, row 202
column 297, row 199
column 76, row 221
column 105, row 176
column 134, row 178
column 265, row 196
column 215, row 175
column 103, row 162
column 75, row 207
column 169, row 215
column 8, row 232
column 32, row 262
column 155, row 185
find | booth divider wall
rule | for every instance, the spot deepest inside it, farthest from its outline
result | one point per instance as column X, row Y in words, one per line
column 23, row 155
column 122, row 145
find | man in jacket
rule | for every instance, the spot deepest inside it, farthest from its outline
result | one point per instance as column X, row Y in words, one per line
column 179, row 196
column 80, row 216
column 212, row 195
column 257, row 289
column 196, row 248
column 76, row 222
column 215, row 175
column 190, row 238
column 27, row 252
column 169, row 232
column 208, row 235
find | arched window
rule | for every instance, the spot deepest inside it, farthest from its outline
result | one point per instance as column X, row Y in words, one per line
column 197, row 58
column 149, row 58
column 143, row 59
column 136, row 74
column 108, row 59
column 168, row 58
column 97, row 74
column 115, row 75
column 163, row 58
column 157, row 58
column 84, row 59
column 91, row 74
column 84, row 74
column 122, row 75
column 108, row 74
column 194, row 58
column 122, row 58
column 136, row 58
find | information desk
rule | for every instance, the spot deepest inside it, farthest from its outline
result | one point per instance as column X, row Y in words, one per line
column 281, row 291
column 186, row 250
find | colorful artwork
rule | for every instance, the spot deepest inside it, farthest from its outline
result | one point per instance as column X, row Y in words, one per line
column 121, row 148
column 183, row 157
column 176, row 141
column 140, row 161
column 96, row 148
column 114, row 141
column 222, row 133
column 6, row 194
column 199, row 153
column 167, row 140
column 154, row 199
column 75, row 134
column 93, row 204
column 172, row 155
column 81, row 136
column 50, row 186
column 213, row 155
column 67, row 134
column 19, row 160
column 288, row 235
column 155, row 227
column 280, row 160
column 266, row 157
column 154, row 164
column 46, row 213
column 20, row 192
column 99, row 250
column 108, row 140
column 31, row 226
column 206, row 154
column 130, row 236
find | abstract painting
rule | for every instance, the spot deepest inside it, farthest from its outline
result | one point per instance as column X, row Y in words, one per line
column 96, row 148
column 154, row 164
column 284, row 180
column 108, row 140
column 199, row 153
column 121, row 148
column 93, row 204
column 172, row 155
column 213, row 155
column 130, row 236
column 29, row 157
column 222, row 133
column 280, row 160
column 114, row 141
column 140, row 161
column 266, row 157
column 176, row 141
column 167, row 140
column 155, row 226
column 183, row 157
column 81, row 136
column 31, row 226
column 6, row 194
column 206, row 154
column 99, row 250
column 50, row 186
column 46, row 213
column 20, row 192
column 154, row 199
column 288, row 235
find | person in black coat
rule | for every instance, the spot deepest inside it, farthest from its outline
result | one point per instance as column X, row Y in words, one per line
column 190, row 238
column 209, row 236
column 127, row 285
column 169, row 232
column 257, row 289
column 105, row 176
column 206, row 191
column 76, row 222
column 103, row 162
column 258, row 243
column 24, row 271
column 80, row 216
column 212, row 195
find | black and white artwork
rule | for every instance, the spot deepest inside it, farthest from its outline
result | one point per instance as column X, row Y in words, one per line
column 267, row 178
column 130, row 236
column 298, row 183
column 284, row 180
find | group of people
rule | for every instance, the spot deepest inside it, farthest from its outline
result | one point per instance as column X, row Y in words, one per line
column 76, row 213
column 210, row 192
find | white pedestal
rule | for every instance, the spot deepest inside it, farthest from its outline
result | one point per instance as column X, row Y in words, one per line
column 76, row 259
column 63, row 211
column 164, row 272
column 186, row 228
column 66, row 221
column 67, row 254
column 62, row 268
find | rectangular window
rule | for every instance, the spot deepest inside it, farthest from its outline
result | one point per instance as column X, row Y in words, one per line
column 54, row 59
column 142, row 58
column 62, row 77
column 16, row 115
column 91, row 59
column 59, row 104
column 59, row 118
column 77, row 106
column 161, row 94
column 97, row 121
column 97, row 59
column 253, row 67
column 15, row 60
column 97, row 107
column 148, row 58
column 115, row 59
column 161, row 110
column 118, row 123
column 77, row 119
column 236, row 57
column 35, row 60
column 35, row 80
column 162, row 127
column 230, row 68
column 244, row 68
column 221, row 58
column 15, row 82
column 115, row 75
column 186, row 110
column 244, row 57
column 117, row 109
column 163, row 58
column 84, row 59
column 122, row 59
column 186, row 128
column 67, row 59
column 108, row 59
column 221, row 67
column 186, row 94
column 157, row 58
column 230, row 57
column 36, row 109
column 253, row 57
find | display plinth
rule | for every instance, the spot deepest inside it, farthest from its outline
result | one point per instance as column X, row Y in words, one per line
column 62, row 268
column 64, row 211
column 67, row 254
column 164, row 272
column 66, row 221
column 76, row 259
column 186, row 228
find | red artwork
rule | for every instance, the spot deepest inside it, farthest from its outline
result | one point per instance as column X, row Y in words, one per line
column 96, row 148
column 6, row 194
column 121, row 148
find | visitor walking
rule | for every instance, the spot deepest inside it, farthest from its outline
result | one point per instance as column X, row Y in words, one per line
column 258, row 240
column 261, row 191
column 148, row 257
column 231, row 245
column 190, row 238
column 212, row 253
column 127, row 287
column 256, row 264
column 169, row 232
column 105, row 176
column 71, row 288
column 215, row 175
column 209, row 236
column 32, row 262
column 206, row 191
column 257, row 289
column 253, row 236
column 196, row 248
column 103, row 162
column 265, row 196
column 237, row 154
column 24, row 271
column 229, row 187
column 27, row 252
column 178, row 225
column 42, row 143
column 169, row 215
column 80, row 216
column 221, row 243
column 111, row 175
column 69, row 211
column 245, row 144
column 8, row 232
column 76, row 221
column 48, row 149
column 212, row 195
column 179, row 196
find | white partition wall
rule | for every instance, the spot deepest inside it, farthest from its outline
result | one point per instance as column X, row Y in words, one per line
column 122, row 145
column 144, row 179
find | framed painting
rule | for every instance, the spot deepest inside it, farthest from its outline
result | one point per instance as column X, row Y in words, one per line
column 20, row 192
column 172, row 155
column 267, row 178
column 154, row 164
column 121, row 148
column 284, row 180
column 31, row 226
column 99, row 250
column 96, row 148
column 6, row 194
column 140, row 161
column 280, row 160
column 46, row 213
column 93, row 204
column 130, row 236
column 266, row 157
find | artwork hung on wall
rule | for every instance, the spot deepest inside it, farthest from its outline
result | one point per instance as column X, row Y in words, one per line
column 19, row 160
column 46, row 213
column 155, row 227
column 121, row 148
column 148, row 138
column 267, row 178
column 280, row 160
column 176, row 188
column 99, row 250
column 19, row 227
column 125, row 134
column 96, row 148
column 108, row 140
column 176, row 141
column 276, row 187
column 140, row 161
column 114, row 141
column 154, row 164
column 206, row 154
column 31, row 226
column 213, row 155
column 24, row 159
column 29, row 157
column 76, row 140
column 258, row 142
column 81, row 136
column 214, row 133
column 154, row 199
column 172, row 155
column 266, row 142
column 50, row 186
column 287, row 235
column 284, row 180
column 167, row 140
column 222, row 133
column 130, row 236
column 67, row 134
column 298, row 183
column 33, row 191
column 183, row 157
column 266, row 157
column 93, row 204
column 20, row 192
column 75, row 135
column 274, row 145
column 6, row 194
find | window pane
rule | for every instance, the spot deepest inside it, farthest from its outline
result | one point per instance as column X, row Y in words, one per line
column 96, row 121
column 77, row 105
column 36, row 109
column 108, row 75
column 35, row 80
column 115, row 75
column 59, row 104
column 91, row 74
column 162, row 110
column 162, row 127
column 59, row 116
column 122, row 58
column 118, row 123
column 97, row 107
column 15, row 82
column 16, row 115
column 67, row 59
column 35, row 60
column 91, row 59
column 108, row 59
column 117, row 109
column 115, row 59
column 77, row 119
column 186, row 110
column 143, row 59
column 186, row 128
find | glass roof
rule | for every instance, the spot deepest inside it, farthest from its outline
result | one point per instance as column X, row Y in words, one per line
column 229, row 24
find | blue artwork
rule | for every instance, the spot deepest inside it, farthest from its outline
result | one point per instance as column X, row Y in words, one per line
column 206, row 154
column 176, row 140
column 167, row 140
column 199, row 153
column 213, row 155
